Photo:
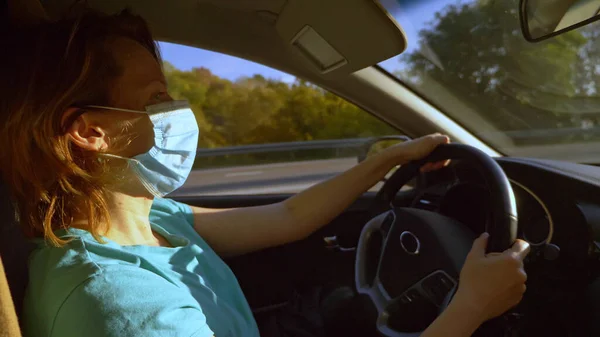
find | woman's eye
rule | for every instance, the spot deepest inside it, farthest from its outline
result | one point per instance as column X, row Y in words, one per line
column 158, row 97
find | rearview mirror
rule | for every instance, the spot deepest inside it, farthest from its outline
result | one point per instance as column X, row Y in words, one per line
column 542, row 19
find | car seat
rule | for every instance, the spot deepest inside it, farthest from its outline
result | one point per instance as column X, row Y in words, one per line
column 9, row 324
column 14, row 251
column 14, row 248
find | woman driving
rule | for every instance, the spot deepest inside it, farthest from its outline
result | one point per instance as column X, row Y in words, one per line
column 91, row 143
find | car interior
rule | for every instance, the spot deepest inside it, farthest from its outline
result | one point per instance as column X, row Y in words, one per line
column 400, row 250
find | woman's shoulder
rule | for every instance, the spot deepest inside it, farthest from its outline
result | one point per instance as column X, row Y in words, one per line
column 114, row 297
column 70, row 263
column 129, row 301
column 54, row 272
column 74, row 261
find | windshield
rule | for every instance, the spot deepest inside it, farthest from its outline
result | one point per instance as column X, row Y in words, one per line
column 470, row 60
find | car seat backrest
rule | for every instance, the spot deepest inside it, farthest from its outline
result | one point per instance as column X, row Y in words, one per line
column 14, row 251
column 9, row 324
column 14, row 248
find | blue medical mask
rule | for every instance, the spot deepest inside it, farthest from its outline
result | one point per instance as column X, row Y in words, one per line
column 166, row 166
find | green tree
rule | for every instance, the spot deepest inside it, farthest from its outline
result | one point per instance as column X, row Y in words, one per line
column 482, row 58
column 257, row 110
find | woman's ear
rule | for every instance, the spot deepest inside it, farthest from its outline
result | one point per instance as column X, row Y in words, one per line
column 84, row 131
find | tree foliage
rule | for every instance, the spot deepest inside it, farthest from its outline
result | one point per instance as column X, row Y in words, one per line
column 257, row 110
column 481, row 57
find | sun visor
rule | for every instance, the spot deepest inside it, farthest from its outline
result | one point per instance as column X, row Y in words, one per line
column 339, row 37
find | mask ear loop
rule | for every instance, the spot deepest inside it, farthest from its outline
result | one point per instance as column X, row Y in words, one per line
column 81, row 109
column 114, row 109
column 67, row 124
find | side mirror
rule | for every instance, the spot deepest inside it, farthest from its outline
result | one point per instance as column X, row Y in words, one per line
column 542, row 19
column 377, row 144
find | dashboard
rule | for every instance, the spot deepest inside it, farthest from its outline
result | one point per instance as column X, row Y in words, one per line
column 558, row 207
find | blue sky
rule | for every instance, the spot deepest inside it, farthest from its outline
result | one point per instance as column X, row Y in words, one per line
column 412, row 15
column 225, row 66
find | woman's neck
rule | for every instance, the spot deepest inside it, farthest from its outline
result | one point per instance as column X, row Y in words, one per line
column 129, row 221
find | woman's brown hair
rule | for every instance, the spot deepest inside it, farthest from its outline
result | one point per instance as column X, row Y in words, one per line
column 48, row 68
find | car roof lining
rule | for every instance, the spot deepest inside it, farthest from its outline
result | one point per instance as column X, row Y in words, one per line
column 241, row 31
column 247, row 29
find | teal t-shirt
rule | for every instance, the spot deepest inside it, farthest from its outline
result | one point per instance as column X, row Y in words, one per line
column 91, row 289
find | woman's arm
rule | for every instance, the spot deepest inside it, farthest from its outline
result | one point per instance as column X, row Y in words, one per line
column 238, row 231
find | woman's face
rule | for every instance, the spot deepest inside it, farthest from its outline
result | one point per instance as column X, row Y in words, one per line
column 141, row 83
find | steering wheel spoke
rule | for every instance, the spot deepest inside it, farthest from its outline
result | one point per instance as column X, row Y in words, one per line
column 411, row 312
column 406, row 270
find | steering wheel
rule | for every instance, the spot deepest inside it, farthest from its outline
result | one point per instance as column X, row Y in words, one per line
column 408, row 260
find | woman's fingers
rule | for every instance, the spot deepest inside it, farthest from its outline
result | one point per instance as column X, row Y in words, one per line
column 521, row 248
column 479, row 245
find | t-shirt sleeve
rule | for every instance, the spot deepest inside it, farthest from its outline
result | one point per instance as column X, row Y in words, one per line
column 130, row 302
column 162, row 207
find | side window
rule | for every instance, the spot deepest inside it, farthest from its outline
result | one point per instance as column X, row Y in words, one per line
column 262, row 131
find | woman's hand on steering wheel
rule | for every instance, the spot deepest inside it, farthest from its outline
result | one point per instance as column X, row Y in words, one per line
column 418, row 149
column 494, row 283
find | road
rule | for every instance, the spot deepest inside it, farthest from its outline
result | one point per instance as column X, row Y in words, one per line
column 263, row 179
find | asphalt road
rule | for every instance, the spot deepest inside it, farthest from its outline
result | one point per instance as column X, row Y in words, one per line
column 263, row 179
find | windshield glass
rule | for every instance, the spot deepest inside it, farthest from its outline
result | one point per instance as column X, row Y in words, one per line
column 470, row 60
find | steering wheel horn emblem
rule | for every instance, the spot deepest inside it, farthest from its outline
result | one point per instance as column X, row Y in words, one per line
column 410, row 243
